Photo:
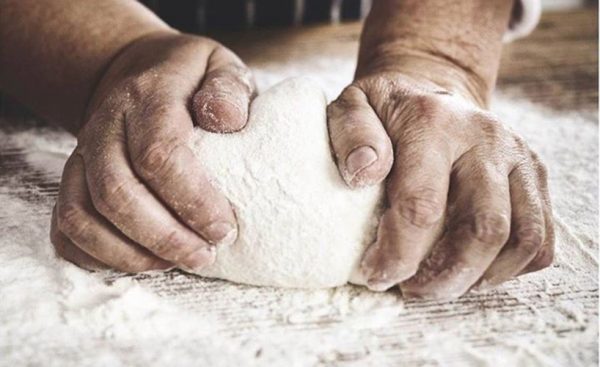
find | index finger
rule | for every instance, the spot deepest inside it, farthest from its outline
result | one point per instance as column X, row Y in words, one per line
column 160, row 155
column 417, row 192
column 120, row 197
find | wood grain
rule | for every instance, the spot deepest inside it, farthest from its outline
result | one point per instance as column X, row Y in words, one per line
column 557, row 67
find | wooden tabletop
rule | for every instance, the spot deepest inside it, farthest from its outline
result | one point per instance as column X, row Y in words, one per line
column 549, row 321
column 557, row 65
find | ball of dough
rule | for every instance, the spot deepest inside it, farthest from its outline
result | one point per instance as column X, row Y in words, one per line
column 299, row 224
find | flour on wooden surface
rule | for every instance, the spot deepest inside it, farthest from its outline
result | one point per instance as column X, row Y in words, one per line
column 54, row 314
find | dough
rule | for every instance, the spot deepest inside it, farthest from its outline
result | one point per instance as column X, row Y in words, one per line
column 299, row 224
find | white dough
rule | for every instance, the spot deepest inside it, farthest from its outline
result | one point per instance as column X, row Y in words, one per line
column 299, row 224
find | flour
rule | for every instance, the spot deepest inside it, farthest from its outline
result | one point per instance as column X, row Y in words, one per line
column 300, row 225
column 54, row 314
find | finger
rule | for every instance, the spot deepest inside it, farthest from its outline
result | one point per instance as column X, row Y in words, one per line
column 417, row 192
column 362, row 147
column 478, row 227
column 545, row 255
column 542, row 260
column 527, row 229
column 66, row 249
column 160, row 155
column 221, row 103
column 78, row 221
column 122, row 199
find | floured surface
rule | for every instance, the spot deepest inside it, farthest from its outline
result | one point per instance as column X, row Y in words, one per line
column 54, row 314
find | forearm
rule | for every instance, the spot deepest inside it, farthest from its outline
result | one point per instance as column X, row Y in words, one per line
column 455, row 44
column 52, row 53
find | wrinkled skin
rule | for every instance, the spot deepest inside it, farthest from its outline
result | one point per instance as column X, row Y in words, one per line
column 133, row 196
column 467, row 200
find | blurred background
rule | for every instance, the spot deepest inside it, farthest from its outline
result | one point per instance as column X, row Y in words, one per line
column 207, row 15
column 557, row 65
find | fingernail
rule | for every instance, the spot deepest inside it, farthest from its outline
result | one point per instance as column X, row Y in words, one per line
column 220, row 233
column 386, row 276
column 200, row 258
column 379, row 281
column 359, row 159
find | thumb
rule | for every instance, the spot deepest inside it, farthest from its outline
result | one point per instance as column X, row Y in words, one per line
column 361, row 145
column 222, row 102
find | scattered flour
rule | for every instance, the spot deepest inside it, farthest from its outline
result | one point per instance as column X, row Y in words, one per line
column 54, row 314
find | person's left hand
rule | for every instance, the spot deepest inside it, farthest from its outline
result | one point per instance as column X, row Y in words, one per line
column 467, row 200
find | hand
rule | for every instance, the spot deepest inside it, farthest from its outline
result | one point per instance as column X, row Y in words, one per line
column 467, row 201
column 133, row 196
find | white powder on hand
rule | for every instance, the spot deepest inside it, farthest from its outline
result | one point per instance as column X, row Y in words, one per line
column 54, row 314
column 300, row 225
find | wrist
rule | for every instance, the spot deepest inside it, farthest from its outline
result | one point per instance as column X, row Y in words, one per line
column 454, row 44
column 429, row 68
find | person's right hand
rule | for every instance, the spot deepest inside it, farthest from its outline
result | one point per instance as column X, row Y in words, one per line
column 133, row 196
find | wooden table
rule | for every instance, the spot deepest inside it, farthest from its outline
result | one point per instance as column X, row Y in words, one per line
column 556, row 66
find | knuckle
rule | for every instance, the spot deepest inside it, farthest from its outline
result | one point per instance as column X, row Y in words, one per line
column 520, row 143
column 426, row 104
column 490, row 228
column 71, row 221
column 113, row 194
column 155, row 107
column 143, row 86
column 170, row 246
column 422, row 209
column 491, row 127
column 529, row 236
column 422, row 110
column 155, row 158
column 428, row 115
